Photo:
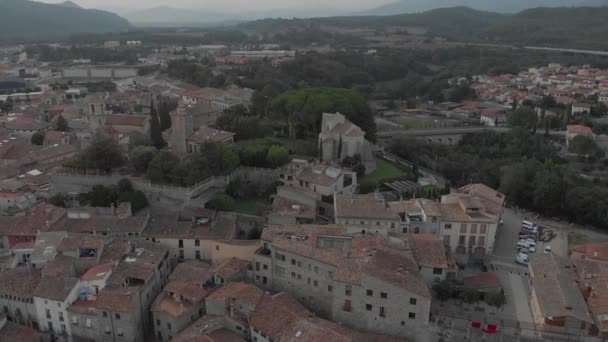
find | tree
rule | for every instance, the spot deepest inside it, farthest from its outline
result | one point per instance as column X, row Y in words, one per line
column 164, row 113
column 141, row 156
column 470, row 296
column 300, row 110
column 581, row 144
column 37, row 139
column 103, row 154
column 124, row 185
column 62, row 124
column 523, row 117
column 160, row 167
column 496, row 299
column 137, row 199
column 100, row 196
column 221, row 202
column 277, row 156
column 155, row 132
column 444, row 290
column 548, row 190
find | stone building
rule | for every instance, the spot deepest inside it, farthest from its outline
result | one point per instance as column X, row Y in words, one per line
column 363, row 281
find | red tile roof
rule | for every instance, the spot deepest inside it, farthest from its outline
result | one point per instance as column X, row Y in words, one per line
column 428, row 250
column 127, row 120
column 579, row 129
column 482, row 280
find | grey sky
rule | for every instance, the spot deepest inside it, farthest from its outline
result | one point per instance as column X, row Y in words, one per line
column 231, row 6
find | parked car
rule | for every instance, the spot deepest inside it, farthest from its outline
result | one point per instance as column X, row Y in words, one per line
column 522, row 244
column 547, row 249
column 521, row 259
column 532, row 249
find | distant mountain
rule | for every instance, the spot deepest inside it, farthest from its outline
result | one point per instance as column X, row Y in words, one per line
column 26, row 19
column 500, row 6
column 171, row 16
column 69, row 4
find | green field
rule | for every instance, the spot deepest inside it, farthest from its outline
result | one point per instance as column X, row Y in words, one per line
column 384, row 170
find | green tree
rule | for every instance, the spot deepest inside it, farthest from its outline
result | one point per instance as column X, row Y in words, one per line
column 137, row 199
column 103, row 154
column 221, row 202
column 141, row 156
column 62, row 124
column 124, row 185
column 548, row 190
column 444, row 290
column 100, row 196
column 160, row 167
column 164, row 114
column 277, row 156
column 523, row 117
column 156, row 134
column 37, row 139
column 583, row 145
column 301, row 110
column 496, row 299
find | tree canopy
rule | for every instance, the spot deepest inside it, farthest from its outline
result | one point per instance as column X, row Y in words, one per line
column 103, row 154
column 301, row 110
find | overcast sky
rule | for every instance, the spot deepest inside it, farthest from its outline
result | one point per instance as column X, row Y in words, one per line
column 232, row 6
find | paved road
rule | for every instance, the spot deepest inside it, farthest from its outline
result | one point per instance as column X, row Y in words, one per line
column 450, row 130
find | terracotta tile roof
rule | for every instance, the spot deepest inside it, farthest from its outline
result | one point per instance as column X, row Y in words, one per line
column 428, row 250
column 26, row 123
column 55, row 288
column 61, row 265
column 209, row 328
column 556, row 292
column 369, row 255
column 97, row 272
column 229, row 268
column 494, row 200
column 579, row 129
column 362, row 207
column 99, row 224
column 20, row 283
column 242, row 292
column 27, row 223
column 126, row 120
column 286, row 207
column 321, row 174
column 75, row 240
column 53, row 152
column 208, row 134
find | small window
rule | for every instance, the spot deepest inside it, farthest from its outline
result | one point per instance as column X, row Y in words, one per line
column 316, row 283
column 413, row 301
column 330, row 288
column 117, row 316
column 437, row 271
column 402, row 323
column 108, row 330
column 293, row 261
column 348, row 290
column 104, row 314
column 370, row 293
column 383, row 295
column 168, row 326
column 382, row 312
column 88, row 323
column 197, row 243
column 412, row 315
column 368, row 307
column 217, row 247
column 74, row 320
column 119, row 332
column 158, row 322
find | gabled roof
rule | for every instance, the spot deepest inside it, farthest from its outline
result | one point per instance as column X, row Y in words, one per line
column 428, row 250
column 363, row 207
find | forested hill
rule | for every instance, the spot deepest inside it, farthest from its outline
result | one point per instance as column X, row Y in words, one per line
column 30, row 19
column 566, row 27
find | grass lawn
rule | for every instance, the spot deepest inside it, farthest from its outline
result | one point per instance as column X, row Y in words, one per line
column 255, row 206
column 384, row 170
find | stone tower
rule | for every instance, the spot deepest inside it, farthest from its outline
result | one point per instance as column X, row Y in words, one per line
column 181, row 128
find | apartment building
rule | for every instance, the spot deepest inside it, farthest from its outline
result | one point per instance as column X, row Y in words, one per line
column 360, row 280
column 432, row 259
column 120, row 310
column 365, row 214
column 17, row 287
column 418, row 216
column 556, row 302
column 204, row 234
column 244, row 312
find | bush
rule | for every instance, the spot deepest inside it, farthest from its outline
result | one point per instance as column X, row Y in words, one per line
column 496, row 299
column 445, row 290
column 73, row 164
column 367, row 187
column 124, row 185
column 221, row 202
column 277, row 156
column 37, row 139
column 470, row 296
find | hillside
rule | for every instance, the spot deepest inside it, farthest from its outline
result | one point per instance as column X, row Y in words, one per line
column 565, row 27
column 510, row 6
column 584, row 27
column 26, row 19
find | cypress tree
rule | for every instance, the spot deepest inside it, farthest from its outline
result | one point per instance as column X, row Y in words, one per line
column 155, row 133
